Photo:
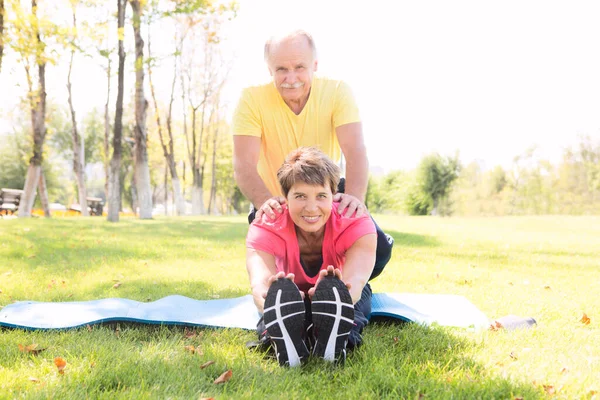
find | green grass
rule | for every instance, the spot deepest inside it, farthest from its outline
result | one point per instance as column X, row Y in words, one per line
column 544, row 267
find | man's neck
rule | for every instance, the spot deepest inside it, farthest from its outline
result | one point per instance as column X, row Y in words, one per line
column 297, row 105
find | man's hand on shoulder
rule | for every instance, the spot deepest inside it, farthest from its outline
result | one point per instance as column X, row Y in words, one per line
column 350, row 204
column 272, row 207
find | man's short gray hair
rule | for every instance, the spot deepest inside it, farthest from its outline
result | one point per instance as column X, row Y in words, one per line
column 291, row 35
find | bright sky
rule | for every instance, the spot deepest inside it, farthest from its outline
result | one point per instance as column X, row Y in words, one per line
column 489, row 79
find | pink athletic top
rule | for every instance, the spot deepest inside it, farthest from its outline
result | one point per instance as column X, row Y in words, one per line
column 279, row 239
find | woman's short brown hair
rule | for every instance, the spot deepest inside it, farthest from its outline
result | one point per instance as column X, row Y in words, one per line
column 308, row 165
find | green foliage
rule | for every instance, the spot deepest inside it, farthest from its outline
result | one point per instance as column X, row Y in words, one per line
column 13, row 160
column 435, row 175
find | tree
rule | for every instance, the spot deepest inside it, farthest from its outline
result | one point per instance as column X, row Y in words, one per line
column 142, row 177
column 167, row 144
column 78, row 152
column 28, row 43
column 201, row 93
column 1, row 32
column 436, row 175
column 114, row 183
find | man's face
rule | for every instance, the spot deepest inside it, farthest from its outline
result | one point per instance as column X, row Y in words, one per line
column 292, row 65
column 310, row 206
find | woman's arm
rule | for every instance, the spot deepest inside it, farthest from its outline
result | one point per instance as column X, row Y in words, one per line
column 360, row 260
column 261, row 267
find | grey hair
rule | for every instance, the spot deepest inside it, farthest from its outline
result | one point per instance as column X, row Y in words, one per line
column 300, row 32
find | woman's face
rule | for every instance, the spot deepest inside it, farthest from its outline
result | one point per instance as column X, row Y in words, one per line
column 310, row 206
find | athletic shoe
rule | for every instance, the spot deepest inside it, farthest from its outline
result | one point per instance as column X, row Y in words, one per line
column 333, row 318
column 284, row 321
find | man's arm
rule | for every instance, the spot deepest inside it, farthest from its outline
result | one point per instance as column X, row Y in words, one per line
column 246, row 150
column 351, row 141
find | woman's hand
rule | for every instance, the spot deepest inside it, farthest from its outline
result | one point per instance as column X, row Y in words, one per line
column 330, row 271
column 273, row 278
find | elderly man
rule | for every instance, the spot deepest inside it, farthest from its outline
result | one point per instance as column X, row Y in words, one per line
column 300, row 109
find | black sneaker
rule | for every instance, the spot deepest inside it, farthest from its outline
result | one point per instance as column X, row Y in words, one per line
column 333, row 318
column 284, row 321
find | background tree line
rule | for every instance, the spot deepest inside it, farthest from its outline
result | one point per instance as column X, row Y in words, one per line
column 169, row 144
column 155, row 146
column 531, row 186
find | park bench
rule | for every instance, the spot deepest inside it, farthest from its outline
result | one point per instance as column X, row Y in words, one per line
column 9, row 200
column 94, row 204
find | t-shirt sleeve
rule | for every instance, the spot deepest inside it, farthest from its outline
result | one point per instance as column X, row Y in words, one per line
column 246, row 118
column 345, row 109
column 354, row 229
column 262, row 238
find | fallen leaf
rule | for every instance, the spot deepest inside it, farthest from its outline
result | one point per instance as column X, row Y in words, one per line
column 207, row 398
column 32, row 348
column 564, row 370
column 116, row 285
column 511, row 284
column 585, row 319
column 32, row 379
column 31, row 256
column 206, row 364
column 421, row 396
column 60, row 364
column 549, row 389
column 547, row 287
column 191, row 349
column 496, row 326
column 513, row 355
column 395, row 340
column 69, row 296
column 225, row 376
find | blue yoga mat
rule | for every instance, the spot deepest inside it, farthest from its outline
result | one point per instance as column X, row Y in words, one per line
column 239, row 312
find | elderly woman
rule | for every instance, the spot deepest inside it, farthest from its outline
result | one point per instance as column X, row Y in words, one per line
column 309, row 267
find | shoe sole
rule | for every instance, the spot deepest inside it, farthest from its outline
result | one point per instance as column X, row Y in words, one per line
column 333, row 318
column 284, row 320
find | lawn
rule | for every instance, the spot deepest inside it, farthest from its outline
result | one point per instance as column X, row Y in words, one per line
column 543, row 267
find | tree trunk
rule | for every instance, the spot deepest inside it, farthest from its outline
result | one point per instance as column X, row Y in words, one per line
column 114, row 184
column 78, row 153
column 106, row 134
column 142, row 171
column 43, row 189
column 197, row 194
column 29, row 191
column 168, row 151
column 1, row 31
column 212, row 203
column 166, row 188
column 38, row 117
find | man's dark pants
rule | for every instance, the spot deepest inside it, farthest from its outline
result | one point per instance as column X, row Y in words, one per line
column 362, row 309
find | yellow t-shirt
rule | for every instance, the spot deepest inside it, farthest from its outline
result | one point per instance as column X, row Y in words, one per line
column 261, row 112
